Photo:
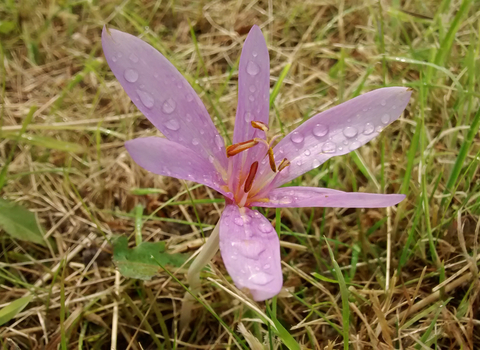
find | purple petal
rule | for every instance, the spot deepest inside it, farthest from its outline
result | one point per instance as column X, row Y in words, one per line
column 339, row 130
column 162, row 94
column 298, row 197
column 253, row 100
column 253, row 87
column 168, row 158
column 251, row 251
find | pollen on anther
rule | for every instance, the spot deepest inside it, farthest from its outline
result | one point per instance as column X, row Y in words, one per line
column 240, row 147
column 259, row 125
column 271, row 159
column 283, row 164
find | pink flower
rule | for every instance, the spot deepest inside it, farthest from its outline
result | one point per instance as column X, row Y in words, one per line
column 250, row 172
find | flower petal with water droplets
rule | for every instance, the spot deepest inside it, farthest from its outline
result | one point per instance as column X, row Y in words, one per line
column 168, row 158
column 253, row 98
column 339, row 130
column 160, row 92
column 251, row 251
column 299, row 197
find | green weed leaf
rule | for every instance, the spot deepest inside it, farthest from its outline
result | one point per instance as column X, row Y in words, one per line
column 20, row 223
column 141, row 262
column 12, row 309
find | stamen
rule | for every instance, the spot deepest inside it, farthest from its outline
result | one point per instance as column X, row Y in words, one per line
column 250, row 177
column 272, row 140
column 240, row 147
column 259, row 125
column 283, row 164
column 271, row 158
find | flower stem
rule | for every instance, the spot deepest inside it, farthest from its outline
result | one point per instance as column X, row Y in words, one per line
column 193, row 276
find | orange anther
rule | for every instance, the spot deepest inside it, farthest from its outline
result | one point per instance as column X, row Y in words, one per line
column 250, row 177
column 260, row 126
column 283, row 164
column 240, row 147
column 271, row 158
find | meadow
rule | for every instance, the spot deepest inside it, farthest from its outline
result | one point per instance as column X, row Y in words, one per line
column 78, row 217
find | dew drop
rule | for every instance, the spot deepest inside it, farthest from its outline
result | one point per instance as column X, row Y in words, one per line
column 189, row 97
column 307, row 152
column 316, row 163
column 252, row 88
column 354, row 145
column 385, row 118
column 146, row 98
column 265, row 228
column 195, row 142
column 379, row 128
column 350, row 131
column 261, row 278
column 286, row 200
column 299, row 162
column 238, row 221
column 251, row 98
column 211, row 159
column 130, row 75
column 369, row 128
column 329, row 147
column 248, row 117
column 219, row 141
column 133, row 58
column 251, row 249
column 296, row 137
column 320, row 130
column 188, row 117
column 266, row 266
column 172, row 124
column 252, row 68
column 169, row 106
column 383, row 103
column 254, row 53
column 114, row 59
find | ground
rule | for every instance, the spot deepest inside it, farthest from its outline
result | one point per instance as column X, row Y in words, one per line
column 404, row 277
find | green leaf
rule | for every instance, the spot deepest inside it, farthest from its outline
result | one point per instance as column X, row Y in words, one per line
column 12, row 309
column 142, row 261
column 323, row 278
column 47, row 142
column 6, row 27
column 284, row 335
column 20, row 223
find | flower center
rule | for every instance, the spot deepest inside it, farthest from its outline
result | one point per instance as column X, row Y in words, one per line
column 245, row 185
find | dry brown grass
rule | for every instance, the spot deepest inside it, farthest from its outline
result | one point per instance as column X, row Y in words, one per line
column 53, row 60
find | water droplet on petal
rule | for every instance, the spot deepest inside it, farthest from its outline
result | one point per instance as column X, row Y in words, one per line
column 172, row 124
column 114, row 59
column 248, row 117
column 195, row 142
column 369, row 128
column 251, row 98
column 286, row 200
column 169, row 106
column 146, row 98
column 383, row 103
column 252, row 68
column 254, row 53
column 385, row 118
column 238, row 220
column 265, row 228
column 266, row 266
column 211, row 159
column 252, row 88
column 320, row 130
column 261, row 278
column 307, row 152
column 329, row 147
column 350, row 131
column 251, row 249
column 354, row 145
column 219, row 141
column 379, row 128
column 296, row 137
column 188, row 117
column 130, row 75
column 316, row 163
column 189, row 97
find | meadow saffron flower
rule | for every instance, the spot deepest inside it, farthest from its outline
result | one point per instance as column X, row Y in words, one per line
column 249, row 172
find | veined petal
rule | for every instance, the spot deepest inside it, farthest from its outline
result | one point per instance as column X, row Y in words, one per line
column 168, row 158
column 253, row 99
column 162, row 94
column 299, row 197
column 251, row 251
column 339, row 130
